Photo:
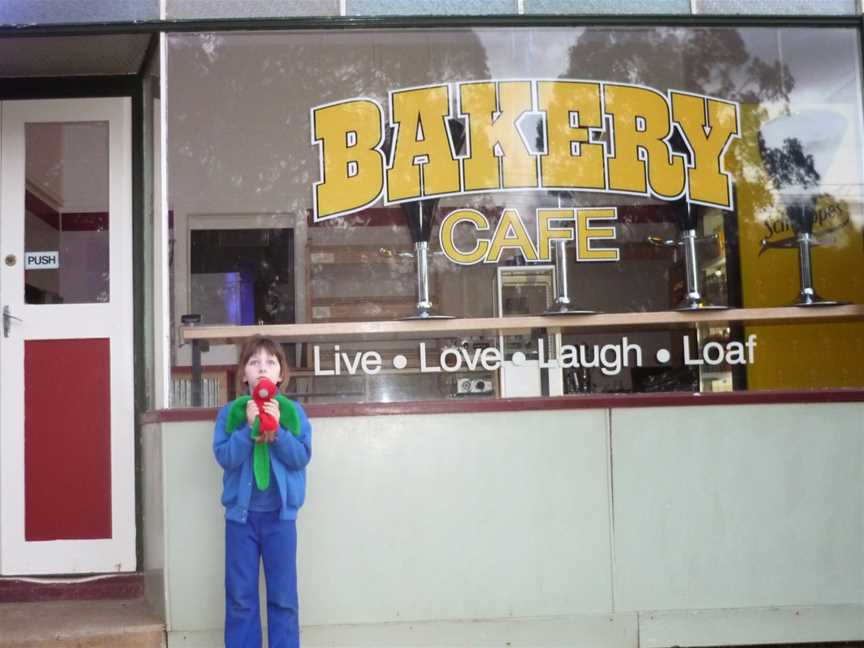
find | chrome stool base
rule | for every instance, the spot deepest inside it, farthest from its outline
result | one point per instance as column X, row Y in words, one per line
column 425, row 316
column 812, row 299
column 569, row 310
column 699, row 305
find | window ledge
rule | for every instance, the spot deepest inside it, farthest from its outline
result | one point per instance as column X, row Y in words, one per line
column 506, row 325
column 586, row 401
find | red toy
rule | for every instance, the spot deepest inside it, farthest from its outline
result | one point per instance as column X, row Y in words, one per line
column 264, row 391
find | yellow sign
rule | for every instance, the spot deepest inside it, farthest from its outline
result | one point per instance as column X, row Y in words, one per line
column 584, row 136
column 798, row 356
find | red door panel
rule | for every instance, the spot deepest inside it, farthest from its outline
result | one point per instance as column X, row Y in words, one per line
column 67, row 440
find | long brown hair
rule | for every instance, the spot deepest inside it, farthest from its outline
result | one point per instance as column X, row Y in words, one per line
column 252, row 346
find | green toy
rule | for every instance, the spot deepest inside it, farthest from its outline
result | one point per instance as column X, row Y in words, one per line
column 288, row 419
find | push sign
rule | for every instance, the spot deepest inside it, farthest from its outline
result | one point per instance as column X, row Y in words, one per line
column 41, row 260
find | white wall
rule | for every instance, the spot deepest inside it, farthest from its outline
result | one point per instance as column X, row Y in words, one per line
column 718, row 512
column 748, row 506
column 412, row 517
column 457, row 516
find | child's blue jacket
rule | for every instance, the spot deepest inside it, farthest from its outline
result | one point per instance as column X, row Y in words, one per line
column 288, row 458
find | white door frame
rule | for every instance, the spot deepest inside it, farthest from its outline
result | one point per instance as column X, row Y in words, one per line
column 112, row 320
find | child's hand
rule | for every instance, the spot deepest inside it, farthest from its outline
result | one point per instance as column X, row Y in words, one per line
column 272, row 408
column 251, row 412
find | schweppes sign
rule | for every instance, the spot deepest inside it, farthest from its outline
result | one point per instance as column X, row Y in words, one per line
column 584, row 136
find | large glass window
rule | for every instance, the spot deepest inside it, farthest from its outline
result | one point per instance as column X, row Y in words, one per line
column 613, row 149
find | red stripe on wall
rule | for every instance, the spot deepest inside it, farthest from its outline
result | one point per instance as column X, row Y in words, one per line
column 67, row 440
column 540, row 403
column 85, row 222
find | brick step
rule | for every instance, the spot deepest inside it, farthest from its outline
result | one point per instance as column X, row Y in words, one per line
column 97, row 586
column 80, row 624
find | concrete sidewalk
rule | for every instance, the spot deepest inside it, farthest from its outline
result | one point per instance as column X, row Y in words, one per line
column 80, row 624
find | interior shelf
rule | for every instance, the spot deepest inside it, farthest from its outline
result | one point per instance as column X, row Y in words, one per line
column 414, row 329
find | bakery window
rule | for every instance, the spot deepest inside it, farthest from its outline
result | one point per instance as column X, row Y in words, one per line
column 653, row 208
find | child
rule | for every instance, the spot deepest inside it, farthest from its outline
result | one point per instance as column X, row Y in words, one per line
column 264, row 485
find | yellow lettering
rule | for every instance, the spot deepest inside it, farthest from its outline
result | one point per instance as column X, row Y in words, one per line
column 641, row 124
column 587, row 232
column 637, row 158
column 352, row 177
column 519, row 239
column 546, row 233
column 708, row 182
column 421, row 143
column 494, row 139
column 446, row 234
column 570, row 161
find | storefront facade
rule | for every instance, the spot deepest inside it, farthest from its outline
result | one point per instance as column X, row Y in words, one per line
column 573, row 301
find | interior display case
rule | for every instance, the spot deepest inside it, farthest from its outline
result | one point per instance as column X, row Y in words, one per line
column 372, row 273
column 215, row 388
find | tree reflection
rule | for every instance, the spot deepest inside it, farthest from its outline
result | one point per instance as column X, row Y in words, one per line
column 788, row 165
column 709, row 61
column 240, row 104
column 714, row 62
column 245, row 126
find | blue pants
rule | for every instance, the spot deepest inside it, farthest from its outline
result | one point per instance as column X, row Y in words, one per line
column 263, row 536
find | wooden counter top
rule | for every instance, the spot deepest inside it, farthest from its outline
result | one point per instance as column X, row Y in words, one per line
column 408, row 329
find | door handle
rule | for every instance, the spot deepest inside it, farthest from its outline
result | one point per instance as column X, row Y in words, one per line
column 7, row 320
